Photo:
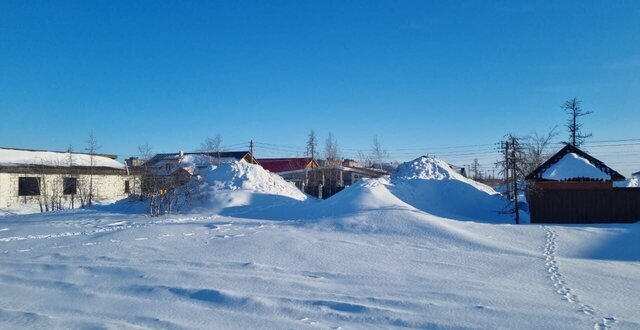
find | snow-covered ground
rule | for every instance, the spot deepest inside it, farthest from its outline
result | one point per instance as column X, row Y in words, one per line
column 365, row 258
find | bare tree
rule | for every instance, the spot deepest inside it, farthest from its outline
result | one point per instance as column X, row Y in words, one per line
column 475, row 169
column 212, row 146
column 331, row 152
column 145, row 152
column 91, row 149
column 378, row 154
column 364, row 159
column 312, row 144
column 574, row 110
column 511, row 168
column 70, row 164
column 537, row 149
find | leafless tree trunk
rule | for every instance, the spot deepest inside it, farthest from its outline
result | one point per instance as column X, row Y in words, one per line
column 331, row 152
column 537, row 149
column 92, row 148
column 312, row 144
column 71, row 170
column 475, row 170
column 574, row 110
column 364, row 159
column 212, row 146
column 511, row 168
column 378, row 154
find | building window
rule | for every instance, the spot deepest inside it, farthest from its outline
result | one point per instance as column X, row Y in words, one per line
column 126, row 187
column 69, row 186
column 29, row 186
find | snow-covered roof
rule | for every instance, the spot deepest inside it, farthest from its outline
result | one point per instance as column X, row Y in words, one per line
column 188, row 162
column 20, row 157
column 572, row 166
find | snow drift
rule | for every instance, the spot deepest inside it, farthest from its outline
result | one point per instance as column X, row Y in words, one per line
column 431, row 185
column 425, row 184
column 242, row 189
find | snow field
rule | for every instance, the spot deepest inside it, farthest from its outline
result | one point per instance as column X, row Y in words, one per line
column 254, row 252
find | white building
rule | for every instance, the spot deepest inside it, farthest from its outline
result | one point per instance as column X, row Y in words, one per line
column 61, row 180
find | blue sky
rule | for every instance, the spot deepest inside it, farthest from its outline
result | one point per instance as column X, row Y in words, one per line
column 422, row 75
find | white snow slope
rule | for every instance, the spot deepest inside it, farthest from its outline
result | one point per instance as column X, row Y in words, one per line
column 430, row 185
column 241, row 189
column 362, row 259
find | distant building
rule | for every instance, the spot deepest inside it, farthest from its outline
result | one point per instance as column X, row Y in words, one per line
column 61, row 179
column 319, row 178
column 134, row 161
column 351, row 163
column 574, row 187
column 169, row 170
column 327, row 180
column 295, row 170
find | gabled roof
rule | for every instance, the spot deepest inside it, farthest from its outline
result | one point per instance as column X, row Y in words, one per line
column 539, row 173
column 237, row 155
column 279, row 165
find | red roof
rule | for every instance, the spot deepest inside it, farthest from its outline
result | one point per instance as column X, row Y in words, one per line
column 277, row 165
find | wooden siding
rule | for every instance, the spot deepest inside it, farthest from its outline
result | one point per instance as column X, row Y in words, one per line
column 617, row 205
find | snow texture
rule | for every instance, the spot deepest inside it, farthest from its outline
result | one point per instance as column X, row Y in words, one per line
column 256, row 253
column 572, row 166
column 13, row 157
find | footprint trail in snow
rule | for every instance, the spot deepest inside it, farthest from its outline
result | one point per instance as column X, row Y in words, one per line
column 563, row 289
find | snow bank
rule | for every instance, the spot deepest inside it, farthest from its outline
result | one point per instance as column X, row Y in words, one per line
column 243, row 189
column 13, row 157
column 425, row 168
column 572, row 166
column 424, row 185
column 431, row 185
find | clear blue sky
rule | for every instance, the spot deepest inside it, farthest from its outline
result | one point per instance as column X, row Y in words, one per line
column 419, row 74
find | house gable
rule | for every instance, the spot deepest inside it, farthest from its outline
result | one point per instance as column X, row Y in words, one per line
column 539, row 174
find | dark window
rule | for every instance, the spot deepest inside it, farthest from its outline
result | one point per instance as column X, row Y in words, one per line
column 70, row 186
column 126, row 187
column 28, row 186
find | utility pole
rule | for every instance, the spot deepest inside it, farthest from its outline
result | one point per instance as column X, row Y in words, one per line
column 505, row 147
column 514, row 172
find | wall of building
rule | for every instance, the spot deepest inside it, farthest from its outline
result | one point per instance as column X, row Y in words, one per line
column 617, row 205
column 105, row 187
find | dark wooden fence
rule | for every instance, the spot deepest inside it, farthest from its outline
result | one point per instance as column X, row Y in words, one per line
column 618, row 205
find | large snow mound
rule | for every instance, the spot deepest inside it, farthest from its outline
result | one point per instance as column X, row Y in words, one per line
column 365, row 195
column 14, row 157
column 431, row 185
column 424, row 185
column 240, row 175
column 242, row 189
column 425, row 168
column 572, row 166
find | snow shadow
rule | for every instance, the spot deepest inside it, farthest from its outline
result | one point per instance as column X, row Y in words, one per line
column 623, row 246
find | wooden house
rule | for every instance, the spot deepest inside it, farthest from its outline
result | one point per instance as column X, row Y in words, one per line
column 574, row 187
